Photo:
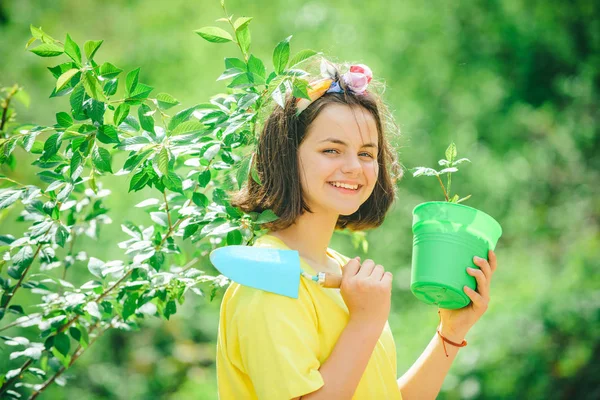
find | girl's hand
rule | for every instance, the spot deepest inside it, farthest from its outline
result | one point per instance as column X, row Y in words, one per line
column 457, row 323
column 367, row 291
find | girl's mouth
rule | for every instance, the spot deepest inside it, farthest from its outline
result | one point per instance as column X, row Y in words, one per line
column 345, row 190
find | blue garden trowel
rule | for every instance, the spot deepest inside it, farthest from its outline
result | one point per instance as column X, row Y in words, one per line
column 272, row 270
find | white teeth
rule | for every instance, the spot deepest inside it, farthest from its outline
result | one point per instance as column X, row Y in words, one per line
column 338, row 184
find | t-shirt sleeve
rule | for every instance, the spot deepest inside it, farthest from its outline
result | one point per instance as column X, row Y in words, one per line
column 279, row 343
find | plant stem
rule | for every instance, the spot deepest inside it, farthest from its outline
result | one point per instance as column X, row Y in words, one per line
column 443, row 188
column 18, row 285
column 31, row 316
column 449, row 181
column 5, row 107
column 106, row 292
column 23, row 185
column 173, row 229
column 78, row 352
column 14, row 378
column 167, row 208
column 234, row 33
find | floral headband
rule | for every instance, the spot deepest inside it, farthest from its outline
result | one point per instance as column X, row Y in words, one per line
column 356, row 79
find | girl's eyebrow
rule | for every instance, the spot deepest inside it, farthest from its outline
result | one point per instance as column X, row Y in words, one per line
column 338, row 141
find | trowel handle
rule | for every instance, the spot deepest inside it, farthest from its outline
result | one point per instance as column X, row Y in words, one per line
column 332, row 281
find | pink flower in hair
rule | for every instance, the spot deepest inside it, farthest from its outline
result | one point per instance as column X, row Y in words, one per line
column 363, row 69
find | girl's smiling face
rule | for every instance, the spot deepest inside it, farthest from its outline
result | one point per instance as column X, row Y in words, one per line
column 340, row 146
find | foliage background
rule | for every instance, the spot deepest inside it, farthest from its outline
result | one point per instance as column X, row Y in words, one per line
column 515, row 84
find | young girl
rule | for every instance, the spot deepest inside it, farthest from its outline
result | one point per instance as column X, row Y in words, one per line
column 326, row 164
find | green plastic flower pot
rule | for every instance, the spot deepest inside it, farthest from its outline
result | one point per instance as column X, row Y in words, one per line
column 446, row 236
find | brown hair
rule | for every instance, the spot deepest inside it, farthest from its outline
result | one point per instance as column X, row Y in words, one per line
column 277, row 166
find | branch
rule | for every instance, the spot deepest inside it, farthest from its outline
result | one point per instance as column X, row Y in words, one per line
column 14, row 378
column 31, row 316
column 10, row 296
column 106, row 292
column 443, row 188
column 173, row 229
column 78, row 352
column 167, row 207
column 5, row 108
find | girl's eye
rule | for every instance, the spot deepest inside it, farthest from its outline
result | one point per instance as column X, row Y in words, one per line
column 328, row 150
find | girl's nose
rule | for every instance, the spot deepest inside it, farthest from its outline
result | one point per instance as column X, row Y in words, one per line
column 351, row 165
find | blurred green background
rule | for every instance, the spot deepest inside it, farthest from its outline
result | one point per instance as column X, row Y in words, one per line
column 515, row 84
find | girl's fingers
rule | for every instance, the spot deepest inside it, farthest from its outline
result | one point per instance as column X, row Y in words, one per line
column 482, row 283
column 478, row 300
column 493, row 260
column 485, row 267
column 352, row 267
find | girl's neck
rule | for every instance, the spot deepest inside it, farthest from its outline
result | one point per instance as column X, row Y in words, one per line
column 309, row 235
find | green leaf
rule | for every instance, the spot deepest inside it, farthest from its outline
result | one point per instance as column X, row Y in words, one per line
column 278, row 95
column 63, row 119
column 130, row 305
column 96, row 111
column 130, row 124
column 200, row 199
column 92, row 87
column 102, row 159
column 266, row 216
column 23, row 258
column 256, row 66
column 140, row 92
column 61, row 235
column 110, row 86
column 75, row 333
column 62, row 343
column 300, row 89
column 301, row 56
column 131, row 80
column 242, row 172
column 51, row 146
column 180, row 117
column 107, row 134
column 281, row 55
column 160, row 217
column 243, row 38
column 95, row 267
column 241, row 22
column 145, row 117
column 121, row 113
column 190, row 230
column 451, row 152
column 232, row 62
column 138, row 181
column 214, row 34
column 234, row 238
column 76, row 100
column 166, row 101
column 173, row 182
column 188, row 128
column 72, row 50
column 230, row 73
column 47, row 50
column 91, row 47
column 109, row 71
column 204, row 178
column 65, row 78
column 163, row 161
column 8, row 198
column 212, row 151
column 170, row 309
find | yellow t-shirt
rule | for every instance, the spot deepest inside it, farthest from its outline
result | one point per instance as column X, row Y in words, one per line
column 270, row 347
